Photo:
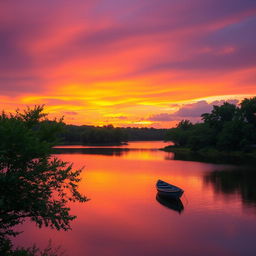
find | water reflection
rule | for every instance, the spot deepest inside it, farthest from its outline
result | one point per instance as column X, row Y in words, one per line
column 130, row 145
column 171, row 203
column 144, row 148
column 123, row 217
column 142, row 153
column 211, row 158
column 93, row 151
column 234, row 181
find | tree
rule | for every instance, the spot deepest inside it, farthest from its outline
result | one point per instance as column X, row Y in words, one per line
column 201, row 136
column 220, row 114
column 180, row 135
column 248, row 109
column 184, row 124
column 227, row 127
column 235, row 135
column 33, row 184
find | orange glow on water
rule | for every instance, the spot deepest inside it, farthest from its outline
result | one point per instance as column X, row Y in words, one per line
column 123, row 213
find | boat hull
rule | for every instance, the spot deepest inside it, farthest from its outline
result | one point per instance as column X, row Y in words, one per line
column 168, row 190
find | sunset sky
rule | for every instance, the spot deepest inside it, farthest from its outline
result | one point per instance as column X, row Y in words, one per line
column 127, row 63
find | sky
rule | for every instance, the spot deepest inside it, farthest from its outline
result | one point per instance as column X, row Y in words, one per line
column 144, row 63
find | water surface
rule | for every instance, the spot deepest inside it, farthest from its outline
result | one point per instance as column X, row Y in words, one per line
column 216, row 214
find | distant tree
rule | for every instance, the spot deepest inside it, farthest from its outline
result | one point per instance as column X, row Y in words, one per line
column 184, row 124
column 229, row 138
column 202, row 135
column 180, row 134
column 220, row 114
column 33, row 184
column 235, row 135
column 89, row 135
column 248, row 109
column 227, row 127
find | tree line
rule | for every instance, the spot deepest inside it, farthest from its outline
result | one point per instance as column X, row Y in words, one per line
column 227, row 127
column 107, row 135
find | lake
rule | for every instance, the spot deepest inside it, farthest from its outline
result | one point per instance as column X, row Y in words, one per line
column 216, row 214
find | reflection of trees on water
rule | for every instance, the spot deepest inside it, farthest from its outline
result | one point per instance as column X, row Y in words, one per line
column 99, row 151
column 218, row 158
column 238, row 181
column 93, row 151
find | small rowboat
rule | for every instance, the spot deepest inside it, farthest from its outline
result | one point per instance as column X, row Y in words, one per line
column 168, row 190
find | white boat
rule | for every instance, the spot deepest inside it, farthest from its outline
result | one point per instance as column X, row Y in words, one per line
column 169, row 190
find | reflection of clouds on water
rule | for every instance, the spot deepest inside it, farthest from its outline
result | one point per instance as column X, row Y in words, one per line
column 239, row 181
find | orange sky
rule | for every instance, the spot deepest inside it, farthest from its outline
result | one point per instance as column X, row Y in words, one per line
column 126, row 63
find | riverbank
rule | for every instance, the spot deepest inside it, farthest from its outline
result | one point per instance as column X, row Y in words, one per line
column 212, row 155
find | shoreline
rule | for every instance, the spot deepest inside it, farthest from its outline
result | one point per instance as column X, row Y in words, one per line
column 212, row 155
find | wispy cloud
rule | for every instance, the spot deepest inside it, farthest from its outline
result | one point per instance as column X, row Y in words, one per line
column 131, row 57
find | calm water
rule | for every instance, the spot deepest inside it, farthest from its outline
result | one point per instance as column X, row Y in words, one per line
column 216, row 214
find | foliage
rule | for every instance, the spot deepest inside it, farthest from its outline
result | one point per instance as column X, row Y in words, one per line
column 221, row 114
column 201, row 136
column 248, row 109
column 178, row 136
column 33, row 184
column 227, row 127
column 184, row 125
column 137, row 134
column 103, row 135
column 8, row 250
column 107, row 135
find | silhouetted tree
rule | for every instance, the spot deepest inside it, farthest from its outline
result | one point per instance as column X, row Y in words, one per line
column 226, row 127
column 248, row 109
column 33, row 184
column 220, row 114
column 184, row 124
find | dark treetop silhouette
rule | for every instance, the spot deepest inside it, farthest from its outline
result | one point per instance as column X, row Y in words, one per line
column 33, row 184
column 227, row 128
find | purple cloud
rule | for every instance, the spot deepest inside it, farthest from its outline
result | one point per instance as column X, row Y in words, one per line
column 70, row 113
column 163, row 117
column 191, row 111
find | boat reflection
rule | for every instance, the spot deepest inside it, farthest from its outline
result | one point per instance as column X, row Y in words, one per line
column 171, row 203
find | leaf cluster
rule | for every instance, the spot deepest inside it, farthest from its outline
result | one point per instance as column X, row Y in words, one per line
column 226, row 127
column 33, row 183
